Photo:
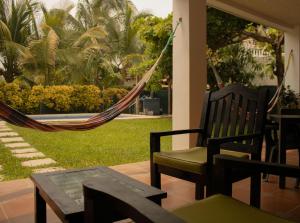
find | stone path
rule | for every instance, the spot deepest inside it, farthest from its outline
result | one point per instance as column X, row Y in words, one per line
column 29, row 156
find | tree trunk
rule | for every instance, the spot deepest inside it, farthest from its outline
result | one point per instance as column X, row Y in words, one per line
column 8, row 77
column 279, row 66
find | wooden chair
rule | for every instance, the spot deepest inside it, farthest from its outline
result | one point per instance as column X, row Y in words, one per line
column 107, row 200
column 233, row 118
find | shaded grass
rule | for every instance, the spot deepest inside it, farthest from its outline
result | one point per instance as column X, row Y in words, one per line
column 118, row 142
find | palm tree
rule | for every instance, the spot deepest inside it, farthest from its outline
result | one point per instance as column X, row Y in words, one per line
column 117, row 17
column 17, row 24
column 64, row 51
column 40, row 55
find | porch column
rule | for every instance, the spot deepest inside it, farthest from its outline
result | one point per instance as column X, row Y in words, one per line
column 189, row 68
column 292, row 42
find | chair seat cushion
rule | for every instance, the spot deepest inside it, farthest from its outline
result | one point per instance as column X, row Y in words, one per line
column 223, row 209
column 191, row 160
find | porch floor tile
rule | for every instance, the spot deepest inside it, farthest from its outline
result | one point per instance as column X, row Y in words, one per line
column 16, row 197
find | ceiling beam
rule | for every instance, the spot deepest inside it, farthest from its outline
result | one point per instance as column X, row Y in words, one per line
column 249, row 14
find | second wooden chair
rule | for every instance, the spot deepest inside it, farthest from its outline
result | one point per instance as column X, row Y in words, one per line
column 233, row 118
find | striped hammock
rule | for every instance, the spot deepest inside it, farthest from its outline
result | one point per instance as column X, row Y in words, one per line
column 17, row 118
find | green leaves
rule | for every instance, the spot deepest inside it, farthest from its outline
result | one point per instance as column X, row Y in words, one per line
column 4, row 32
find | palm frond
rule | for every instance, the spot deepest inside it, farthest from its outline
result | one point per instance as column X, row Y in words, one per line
column 92, row 33
column 4, row 32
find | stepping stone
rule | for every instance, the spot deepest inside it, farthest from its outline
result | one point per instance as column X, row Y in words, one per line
column 29, row 155
column 5, row 129
column 19, row 151
column 39, row 162
column 12, row 139
column 17, row 145
column 47, row 170
column 8, row 134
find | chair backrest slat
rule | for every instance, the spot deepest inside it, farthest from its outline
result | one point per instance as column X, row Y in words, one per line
column 219, row 117
column 235, row 110
column 243, row 117
column 234, row 114
column 251, row 116
column 227, row 112
column 212, row 114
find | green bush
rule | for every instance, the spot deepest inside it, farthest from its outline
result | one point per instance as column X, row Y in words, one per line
column 34, row 100
column 112, row 96
column 58, row 98
column 61, row 99
column 86, row 98
column 12, row 95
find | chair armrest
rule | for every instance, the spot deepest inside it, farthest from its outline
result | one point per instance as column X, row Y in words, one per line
column 253, row 166
column 106, row 199
column 176, row 132
column 213, row 145
column 227, row 166
column 155, row 137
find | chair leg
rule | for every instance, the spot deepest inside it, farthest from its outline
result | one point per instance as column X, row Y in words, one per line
column 255, row 191
column 270, row 143
column 298, row 179
column 199, row 192
column 267, row 158
column 155, row 176
column 273, row 158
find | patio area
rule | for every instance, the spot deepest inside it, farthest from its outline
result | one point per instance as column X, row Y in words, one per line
column 16, row 197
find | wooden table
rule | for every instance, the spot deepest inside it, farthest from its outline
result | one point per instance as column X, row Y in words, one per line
column 284, row 120
column 63, row 191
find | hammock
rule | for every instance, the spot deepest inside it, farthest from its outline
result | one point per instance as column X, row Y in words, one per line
column 15, row 117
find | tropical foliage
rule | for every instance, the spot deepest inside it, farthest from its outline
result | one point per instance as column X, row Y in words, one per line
column 59, row 98
column 106, row 43
column 93, row 47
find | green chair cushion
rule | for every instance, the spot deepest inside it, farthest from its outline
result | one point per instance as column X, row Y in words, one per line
column 191, row 160
column 223, row 209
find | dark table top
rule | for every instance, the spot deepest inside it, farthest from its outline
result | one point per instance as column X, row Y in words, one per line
column 63, row 190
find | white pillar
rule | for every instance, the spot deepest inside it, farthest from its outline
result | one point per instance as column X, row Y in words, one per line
column 292, row 42
column 189, row 68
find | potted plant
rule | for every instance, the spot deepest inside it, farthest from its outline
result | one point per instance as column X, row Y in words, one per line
column 288, row 99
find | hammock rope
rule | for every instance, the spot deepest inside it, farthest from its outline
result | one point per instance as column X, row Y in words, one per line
column 15, row 117
column 273, row 102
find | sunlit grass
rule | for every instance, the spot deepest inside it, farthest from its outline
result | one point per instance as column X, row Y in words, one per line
column 118, row 142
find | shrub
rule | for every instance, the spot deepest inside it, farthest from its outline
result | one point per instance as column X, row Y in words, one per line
column 112, row 96
column 62, row 98
column 12, row 95
column 86, row 98
column 34, row 100
column 58, row 98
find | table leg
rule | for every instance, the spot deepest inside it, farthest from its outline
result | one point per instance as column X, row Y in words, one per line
column 297, row 183
column 39, row 207
column 281, row 151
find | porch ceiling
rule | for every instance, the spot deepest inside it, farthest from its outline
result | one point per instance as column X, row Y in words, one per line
column 282, row 14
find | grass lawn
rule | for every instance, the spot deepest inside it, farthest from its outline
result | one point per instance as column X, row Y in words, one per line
column 120, row 141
